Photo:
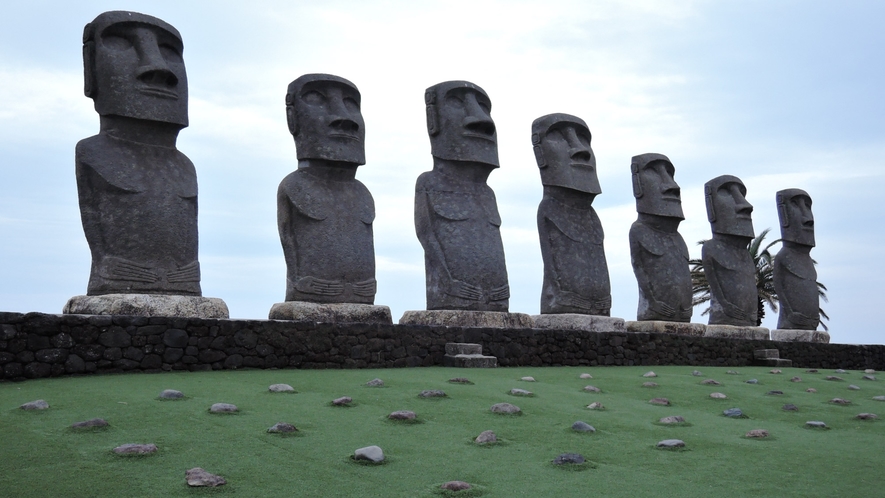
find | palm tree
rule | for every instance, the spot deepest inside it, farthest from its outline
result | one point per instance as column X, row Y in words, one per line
column 763, row 259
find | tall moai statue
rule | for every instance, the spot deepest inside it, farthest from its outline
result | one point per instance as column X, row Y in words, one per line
column 324, row 214
column 138, row 193
column 456, row 213
column 795, row 278
column 657, row 251
column 729, row 269
column 576, row 279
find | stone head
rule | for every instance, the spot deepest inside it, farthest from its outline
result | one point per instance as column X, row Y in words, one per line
column 460, row 124
column 794, row 211
column 562, row 150
column 654, row 187
column 727, row 207
column 323, row 113
column 133, row 67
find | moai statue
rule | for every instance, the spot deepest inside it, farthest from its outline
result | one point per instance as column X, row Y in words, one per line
column 576, row 276
column 658, row 253
column 729, row 269
column 138, row 193
column 324, row 213
column 795, row 278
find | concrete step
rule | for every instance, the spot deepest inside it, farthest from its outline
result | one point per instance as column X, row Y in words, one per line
column 455, row 348
column 470, row 361
column 766, row 354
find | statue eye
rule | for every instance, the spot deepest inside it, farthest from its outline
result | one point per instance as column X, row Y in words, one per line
column 554, row 134
column 170, row 53
column 351, row 104
column 313, row 97
column 454, row 100
column 486, row 106
column 116, row 42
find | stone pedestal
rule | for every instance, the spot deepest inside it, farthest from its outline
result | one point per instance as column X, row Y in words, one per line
column 575, row 321
column 735, row 332
column 462, row 318
column 661, row 327
column 302, row 311
column 147, row 305
column 791, row 335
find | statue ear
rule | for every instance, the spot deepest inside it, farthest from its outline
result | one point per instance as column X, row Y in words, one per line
column 637, row 185
column 290, row 115
column 89, row 68
column 782, row 212
column 432, row 117
column 708, row 198
column 539, row 153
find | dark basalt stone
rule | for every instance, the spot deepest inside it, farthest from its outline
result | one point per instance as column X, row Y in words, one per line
column 794, row 275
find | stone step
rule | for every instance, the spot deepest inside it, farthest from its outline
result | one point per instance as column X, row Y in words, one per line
column 470, row 361
column 775, row 362
column 766, row 354
column 454, row 348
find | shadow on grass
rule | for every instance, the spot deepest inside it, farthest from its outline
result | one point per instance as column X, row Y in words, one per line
column 474, row 491
column 574, row 467
column 367, row 463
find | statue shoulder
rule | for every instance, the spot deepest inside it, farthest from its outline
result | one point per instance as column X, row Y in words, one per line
column 645, row 238
column 305, row 194
column 584, row 227
column 364, row 202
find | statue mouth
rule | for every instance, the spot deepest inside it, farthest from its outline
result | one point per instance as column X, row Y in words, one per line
column 348, row 136
column 159, row 92
column 588, row 166
column 483, row 136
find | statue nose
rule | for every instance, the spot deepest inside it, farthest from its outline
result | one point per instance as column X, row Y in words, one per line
column 153, row 68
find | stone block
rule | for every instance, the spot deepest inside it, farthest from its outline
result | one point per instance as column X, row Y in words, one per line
column 147, row 305
column 575, row 321
column 302, row 311
column 774, row 362
column 662, row 327
column 764, row 354
column 464, row 318
column 470, row 361
column 737, row 332
column 790, row 335
column 456, row 348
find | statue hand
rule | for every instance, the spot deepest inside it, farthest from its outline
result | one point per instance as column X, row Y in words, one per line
column 500, row 293
column 465, row 290
column 313, row 285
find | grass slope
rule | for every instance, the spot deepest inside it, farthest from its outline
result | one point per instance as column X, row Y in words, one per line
column 40, row 455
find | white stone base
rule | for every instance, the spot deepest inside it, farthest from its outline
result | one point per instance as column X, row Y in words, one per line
column 789, row 335
column 575, row 321
column 302, row 311
column 147, row 305
column 463, row 318
column 736, row 332
column 662, row 327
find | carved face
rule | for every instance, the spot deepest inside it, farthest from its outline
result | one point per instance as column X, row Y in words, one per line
column 562, row 151
column 797, row 221
column 324, row 116
column 460, row 124
column 655, row 189
column 727, row 207
column 134, row 68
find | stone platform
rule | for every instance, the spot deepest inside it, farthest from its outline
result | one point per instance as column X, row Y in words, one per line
column 787, row 335
column 463, row 318
column 467, row 355
column 301, row 311
column 575, row 321
column 735, row 332
column 147, row 305
column 662, row 327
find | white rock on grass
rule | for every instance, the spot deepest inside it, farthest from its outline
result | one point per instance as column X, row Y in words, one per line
column 649, row 384
column 592, row 389
column 585, row 376
column 649, row 374
column 486, row 437
column 853, row 387
column 757, row 433
column 370, row 453
column 402, row 415
column 223, row 408
column 673, row 419
column 869, row 371
column 596, row 405
column 521, row 392
column 93, row 422
column 581, row 426
column 342, row 401
column 671, row 443
column 696, row 373
column 281, row 388
column 505, row 408
column 282, row 428
column 171, row 394
column 718, row 396
column 811, row 390
column 527, row 379
column 375, row 383
column 199, row 477
column 869, row 377
column 660, row 401
column 35, row 405
column 816, row 424
column 867, row 416
column 135, row 449
column 879, row 398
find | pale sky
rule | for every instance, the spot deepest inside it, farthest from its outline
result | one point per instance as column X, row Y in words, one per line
column 782, row 94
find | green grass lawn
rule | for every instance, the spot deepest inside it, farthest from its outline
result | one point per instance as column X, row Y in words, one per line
column 40, row 455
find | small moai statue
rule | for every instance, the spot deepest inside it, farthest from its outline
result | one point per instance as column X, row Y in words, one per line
column 657, row 251
column 576, row 278
column 324, row 214
column 729, row 269
column 137, row 192
column 456, row 213
column 795, row 278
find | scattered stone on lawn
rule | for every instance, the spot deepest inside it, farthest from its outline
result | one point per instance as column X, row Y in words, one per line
column 527, row 379
column 869, row 377
column 733, row 412
column 812, row 371
column 199, row 477
column 832, row 377
column 790, row 407
column 370, row 453
column 649, row 384
column 696, row 373
column 867, row 416
column 758, row 433
column 402, row 415
column 455, row 486
column 592, row 389
column 342, row 401
column 581, row 426
column 671, row 443
column 459, row 380
column 840, row 371
column 282, row 427
column 505, row 408
column 281, row 388
column 223, row 408
column 869, row 371
column 775, row 371
column 718, row 396
column 711, row 382
column 93, row 422
column 796, row 379
column 585, row 376
column 775, row 393
column 568, row 458
column 879, row 398
column 171, row 394
column 135, row 449
column 596, row 405
column 521, row 392
column 840, row 401
column 811, row 390
column 660, row 401
column 649, row 374
column 432, row 393
column 853, row 387
column 35, row 405
column 731, row 372
column 672, row 419
column 816, row 424
column 486, row 437
column 375, row 383
column 753, row 381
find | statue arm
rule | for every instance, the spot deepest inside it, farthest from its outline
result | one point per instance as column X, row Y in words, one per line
column 285, row 216
column 640, row 257
column 711, row 271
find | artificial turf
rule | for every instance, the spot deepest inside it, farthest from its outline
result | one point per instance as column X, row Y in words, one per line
column 40, row 455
